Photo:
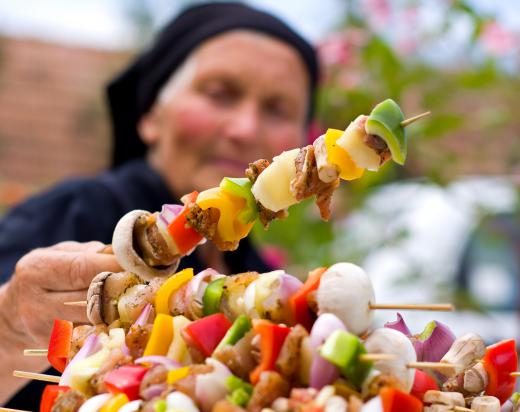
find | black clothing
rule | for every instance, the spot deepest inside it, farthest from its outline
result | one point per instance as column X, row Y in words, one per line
column 133, row 92
column 88, row 209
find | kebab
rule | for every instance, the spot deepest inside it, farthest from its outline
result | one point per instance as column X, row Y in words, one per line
column 151, row 244
column 268, row 381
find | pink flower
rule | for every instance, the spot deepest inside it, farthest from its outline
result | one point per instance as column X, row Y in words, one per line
column 274, row 256
column 378, row 12
column 334, row 50
column 496, row 39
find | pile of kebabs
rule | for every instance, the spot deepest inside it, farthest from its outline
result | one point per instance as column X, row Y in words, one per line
column 166, row 341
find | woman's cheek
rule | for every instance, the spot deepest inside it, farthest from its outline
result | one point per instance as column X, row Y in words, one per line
column 285, row 139
column 196, row 123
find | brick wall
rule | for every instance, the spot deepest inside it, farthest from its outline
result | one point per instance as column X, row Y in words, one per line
column 53, row 120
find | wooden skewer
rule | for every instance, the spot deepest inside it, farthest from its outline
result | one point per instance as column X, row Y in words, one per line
column 82, row 303
column 432, row 365
column 36, row 376
column 438, row 307
column 515, row 374
column 374, row 357
column 462, row 409
column 11, row 410
column 35, row 352
column 410, row 120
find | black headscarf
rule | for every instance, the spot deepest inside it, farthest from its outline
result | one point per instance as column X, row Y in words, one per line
column 133, row 92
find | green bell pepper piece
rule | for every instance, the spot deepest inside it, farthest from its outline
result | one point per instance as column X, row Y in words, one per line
column 340, row 349
column 212, row 297
column 358, row 372
column 343, row 350
column 238, row 329
column 385, row 121
column 241, row 187
column 240, row 391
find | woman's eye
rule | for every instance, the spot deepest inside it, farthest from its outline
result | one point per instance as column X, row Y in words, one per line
column 220, row 93
column 279, row 110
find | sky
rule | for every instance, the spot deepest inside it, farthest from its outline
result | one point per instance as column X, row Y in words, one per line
column 102, row 23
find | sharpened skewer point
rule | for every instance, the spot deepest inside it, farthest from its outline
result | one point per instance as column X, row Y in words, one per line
column 35, row 352
column 36, row 376
column 82, row 303
column 411, row 120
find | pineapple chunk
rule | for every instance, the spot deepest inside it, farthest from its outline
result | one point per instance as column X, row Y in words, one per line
column 273, row 186
column 353, row 143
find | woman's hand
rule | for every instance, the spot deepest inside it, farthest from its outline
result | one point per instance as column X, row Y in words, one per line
column 43, row 280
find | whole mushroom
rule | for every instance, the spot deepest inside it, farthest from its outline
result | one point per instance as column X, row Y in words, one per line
column 346, row 291
column 137, row 245
column 104, row 292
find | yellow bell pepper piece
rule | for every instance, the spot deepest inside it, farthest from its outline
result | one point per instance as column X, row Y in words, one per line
column 229, row 228
column 178, row 350
column 177, row 374
column 339, row 156
column 115, row 403
column 161, row 336
column 162, row 297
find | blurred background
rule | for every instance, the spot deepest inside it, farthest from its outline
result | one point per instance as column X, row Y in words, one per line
column 444, row 228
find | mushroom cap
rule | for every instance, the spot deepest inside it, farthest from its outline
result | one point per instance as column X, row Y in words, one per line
column 126, row 254
column 346, row 291
column 95, row 298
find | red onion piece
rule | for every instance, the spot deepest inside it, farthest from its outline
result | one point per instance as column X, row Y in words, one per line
column 399, row 325
column 142, row 320
column 290, row 285
column 322, row 371
column 90, row 346
column 170, row 364
column 433, row 343
column 169, row 212
column 153, row 391
column 206, row 276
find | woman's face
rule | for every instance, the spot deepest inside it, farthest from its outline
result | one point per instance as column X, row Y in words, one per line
column 239, row 97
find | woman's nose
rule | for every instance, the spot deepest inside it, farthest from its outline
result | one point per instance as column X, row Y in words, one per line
column 244, row 122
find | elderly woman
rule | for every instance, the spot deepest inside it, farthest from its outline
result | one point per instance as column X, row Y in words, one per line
column 224, row 84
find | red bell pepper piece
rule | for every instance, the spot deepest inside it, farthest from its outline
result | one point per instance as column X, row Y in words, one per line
column 272, row 337
column 302, row 314
column 423, row 383
column 499, row 361
column 184, row 236
column 206, row 333
column 126, row 379
column 59, row 344
column 396, row 401
column 50, row 393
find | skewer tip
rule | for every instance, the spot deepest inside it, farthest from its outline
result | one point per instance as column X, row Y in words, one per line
column 413, row 119
column 82, row 303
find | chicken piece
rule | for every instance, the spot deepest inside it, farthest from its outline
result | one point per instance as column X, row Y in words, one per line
column 307, row 182
column 137, row 338
column 270, row 387
column 379, row 146
column 156, row 375
column 69, row 401
column 327, row 171
column 238, row 357
column 475, row 379
column 266, row 216
column 187, row 385
column 255, row 168
column 150, row 243
column 288, row 361
column 205, row 223
column 80, row 333
column 232, row 303
column 377, row 382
